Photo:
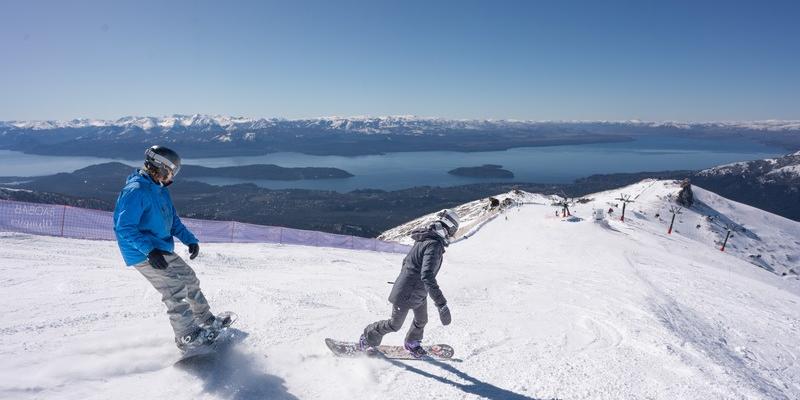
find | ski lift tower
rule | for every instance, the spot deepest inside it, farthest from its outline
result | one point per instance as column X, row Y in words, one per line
column 675, row 211
column 730, row 229
column 625, row 199
column 564, row 203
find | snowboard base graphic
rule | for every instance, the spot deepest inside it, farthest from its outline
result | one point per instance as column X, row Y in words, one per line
column 350, row 349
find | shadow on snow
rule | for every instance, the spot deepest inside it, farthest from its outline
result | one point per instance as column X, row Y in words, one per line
column 474, row 386
column 229, row 373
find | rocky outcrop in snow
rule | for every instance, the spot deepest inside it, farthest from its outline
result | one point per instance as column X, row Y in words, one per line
column 685, row 196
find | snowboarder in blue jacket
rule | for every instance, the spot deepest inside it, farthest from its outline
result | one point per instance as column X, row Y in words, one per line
column 145, row 221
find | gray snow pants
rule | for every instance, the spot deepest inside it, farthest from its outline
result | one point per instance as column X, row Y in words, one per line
column 180, row 292
column 376, row 330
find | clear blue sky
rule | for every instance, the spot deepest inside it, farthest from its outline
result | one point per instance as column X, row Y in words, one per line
column 651, row 60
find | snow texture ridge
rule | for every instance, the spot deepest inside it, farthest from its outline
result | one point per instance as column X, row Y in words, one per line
column 543, row 307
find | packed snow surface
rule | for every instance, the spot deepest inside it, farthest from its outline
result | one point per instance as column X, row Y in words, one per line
column 543, row 307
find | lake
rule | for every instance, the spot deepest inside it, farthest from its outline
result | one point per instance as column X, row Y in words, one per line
column 555, row 164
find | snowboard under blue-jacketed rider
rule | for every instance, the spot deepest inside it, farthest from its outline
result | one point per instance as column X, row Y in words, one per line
column 145, row 222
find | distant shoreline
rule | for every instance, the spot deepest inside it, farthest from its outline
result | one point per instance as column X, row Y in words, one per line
column 335, row 146
column 265, row 172
column 368, row 212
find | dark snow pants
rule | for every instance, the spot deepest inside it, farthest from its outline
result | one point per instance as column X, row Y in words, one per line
column 180, row 292
column 376, row 330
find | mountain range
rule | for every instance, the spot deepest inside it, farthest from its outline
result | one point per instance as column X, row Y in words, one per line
column 402, row 124
column 772, row 184
column 216, row 136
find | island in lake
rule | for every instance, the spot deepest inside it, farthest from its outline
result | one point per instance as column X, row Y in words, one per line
column 264, row 171
column 108, row 177
column 484, row 171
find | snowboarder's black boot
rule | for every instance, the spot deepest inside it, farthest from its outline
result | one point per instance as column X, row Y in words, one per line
column 214, row 323
column 364, row 346
column 198, row 337
column 415, row 348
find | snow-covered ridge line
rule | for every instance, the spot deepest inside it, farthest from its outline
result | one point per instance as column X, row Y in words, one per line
column 703, row 222
column 373, row 124
column 787, row 167
column 473, row 215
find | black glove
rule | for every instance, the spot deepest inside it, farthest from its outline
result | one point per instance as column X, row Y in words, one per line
column 156, row 259
column 444, row 314
column 194, row 249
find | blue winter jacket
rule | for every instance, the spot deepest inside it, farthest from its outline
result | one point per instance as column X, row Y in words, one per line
column 145, row 219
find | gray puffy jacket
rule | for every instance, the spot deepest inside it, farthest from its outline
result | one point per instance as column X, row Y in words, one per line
column 417, row 278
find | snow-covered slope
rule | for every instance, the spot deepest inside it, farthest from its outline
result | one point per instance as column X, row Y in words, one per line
column 543, row 307
column 473, row 215
column 761, row 238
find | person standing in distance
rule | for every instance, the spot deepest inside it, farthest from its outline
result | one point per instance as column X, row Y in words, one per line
column 145, row 222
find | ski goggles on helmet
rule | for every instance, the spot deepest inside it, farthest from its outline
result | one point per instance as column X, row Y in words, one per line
column 449, row 221
column 163, row 164
column 450, row 227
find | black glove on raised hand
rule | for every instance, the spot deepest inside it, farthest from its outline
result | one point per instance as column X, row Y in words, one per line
column 157, row 260
column 194, row 249
column 444, row 314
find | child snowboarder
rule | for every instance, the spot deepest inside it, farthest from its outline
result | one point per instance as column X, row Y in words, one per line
column 145, row 221
column 417, row 281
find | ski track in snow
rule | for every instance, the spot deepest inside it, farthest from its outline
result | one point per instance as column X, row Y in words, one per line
column 542, row 309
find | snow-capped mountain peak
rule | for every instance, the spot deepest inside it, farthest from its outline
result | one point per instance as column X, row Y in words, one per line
column 380, row 124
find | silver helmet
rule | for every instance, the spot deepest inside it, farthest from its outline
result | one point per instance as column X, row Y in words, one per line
column 164, row 161
column 449, row 220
